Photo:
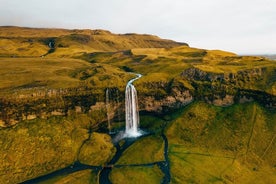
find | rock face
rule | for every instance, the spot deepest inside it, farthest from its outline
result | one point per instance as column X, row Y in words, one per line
column 221, row 89
column 45, row 103
column 245, row 75
column 159, row 98
column 224, row 101
column 224, row 89
column 175, row 100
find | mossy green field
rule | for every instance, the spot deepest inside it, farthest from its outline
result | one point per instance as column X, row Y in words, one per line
column 223, row 145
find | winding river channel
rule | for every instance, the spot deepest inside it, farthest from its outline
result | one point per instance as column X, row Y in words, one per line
column 163, row 165
column 104, row 171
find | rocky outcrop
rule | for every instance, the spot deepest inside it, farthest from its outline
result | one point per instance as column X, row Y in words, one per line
column 221, row 89
column 200, row 75
column 244, row 75
column 44, row 103
column 224, row 89
column 175, row 100
column 221, row 101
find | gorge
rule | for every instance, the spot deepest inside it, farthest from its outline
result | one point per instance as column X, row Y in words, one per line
column 209, row 115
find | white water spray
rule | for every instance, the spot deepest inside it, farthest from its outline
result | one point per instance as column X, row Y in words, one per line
column 132, row 112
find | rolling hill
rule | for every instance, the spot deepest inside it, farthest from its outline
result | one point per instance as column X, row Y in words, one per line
column 30, row 42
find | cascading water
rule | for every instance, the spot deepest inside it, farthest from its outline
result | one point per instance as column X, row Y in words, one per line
column 118, row 105
column 108, row 109
column 132, row 112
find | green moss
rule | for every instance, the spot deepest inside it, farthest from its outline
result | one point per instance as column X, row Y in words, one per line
column 219, row 145
column 28, row 75
column 152, row 123
column 145, row 150
column 38, row 147
column 133, row 175
column 97, row 151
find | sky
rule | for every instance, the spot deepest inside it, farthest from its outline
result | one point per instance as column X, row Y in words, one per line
column 240, row 26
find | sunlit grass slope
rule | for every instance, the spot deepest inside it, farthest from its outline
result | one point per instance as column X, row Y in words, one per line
column 174, row 60
column 37, row 72
column 210, row 144
column 34, row 73
column 159, row 60
column 38, row 147
column 33, row 42
column 136, row 175
column 165, row 64
column 152, row 147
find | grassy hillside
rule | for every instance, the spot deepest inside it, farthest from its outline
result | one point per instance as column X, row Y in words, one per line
column 174, row 60
column 210, row 144
column 165, row 64
column 157, row 59
column 31, row 74
column 39, row 147
column 32, row 42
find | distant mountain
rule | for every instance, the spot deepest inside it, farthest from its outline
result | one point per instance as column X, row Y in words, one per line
column 19, row 41
column 273, row 56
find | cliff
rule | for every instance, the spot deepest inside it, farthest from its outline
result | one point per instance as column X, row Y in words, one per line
column 172, row 78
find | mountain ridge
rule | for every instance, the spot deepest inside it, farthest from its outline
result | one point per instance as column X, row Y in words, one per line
column 35, row 42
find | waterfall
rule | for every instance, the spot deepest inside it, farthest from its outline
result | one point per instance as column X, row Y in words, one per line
column 132, row 112
column 107, row 105
column 118, row 105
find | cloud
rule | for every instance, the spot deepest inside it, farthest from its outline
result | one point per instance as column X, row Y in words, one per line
column 230, row 24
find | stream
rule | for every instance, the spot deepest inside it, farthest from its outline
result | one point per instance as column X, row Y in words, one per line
column 104, row 171
column 163, row 165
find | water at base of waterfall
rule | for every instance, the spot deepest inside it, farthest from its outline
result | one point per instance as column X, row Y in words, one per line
column 120, row 135
column 131, row 133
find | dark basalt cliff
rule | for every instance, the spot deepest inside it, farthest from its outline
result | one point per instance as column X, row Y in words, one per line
column 156, row 97
column 227, row 88
column 44, row 104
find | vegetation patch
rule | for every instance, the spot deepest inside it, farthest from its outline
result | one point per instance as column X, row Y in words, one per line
column 97, row 150
column 210, row 144
column 133, row 175
column 146, row 150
